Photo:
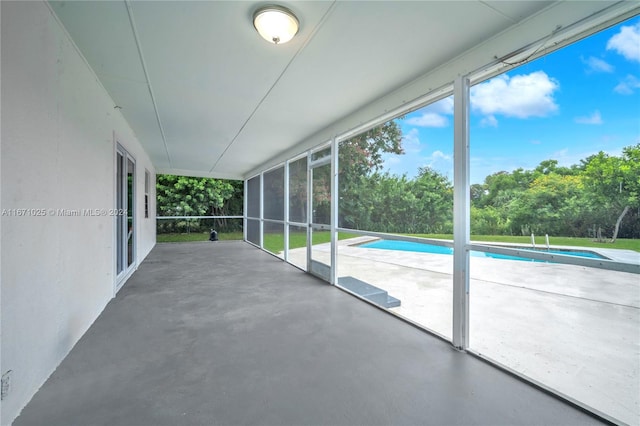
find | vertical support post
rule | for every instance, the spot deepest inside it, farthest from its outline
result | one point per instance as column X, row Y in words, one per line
column 286, row 211
column 262, row 210
column 461, row 213
column 334, row 212
column 309, row 210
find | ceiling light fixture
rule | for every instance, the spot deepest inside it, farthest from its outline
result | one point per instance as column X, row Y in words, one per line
column 276, row 24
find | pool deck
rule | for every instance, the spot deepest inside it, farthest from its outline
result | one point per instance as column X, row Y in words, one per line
column 568, row 327
column 617, row 255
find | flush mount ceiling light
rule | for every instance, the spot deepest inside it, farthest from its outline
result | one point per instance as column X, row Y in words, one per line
column 276, row 24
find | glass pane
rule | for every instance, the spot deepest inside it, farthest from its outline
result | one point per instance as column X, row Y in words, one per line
column 253, row 197
column 253, row 231
column 274, row 194
column 130, row 212
column 321, row 194
column 298, row 246
column 273, row 238
column 146, row 193
column 120, row 219
column 323, row 153
column 298, row 190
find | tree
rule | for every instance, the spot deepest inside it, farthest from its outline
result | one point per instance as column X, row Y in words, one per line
column 548, row 205
column 614, row 183
column 362, row 155
column 478, row 192
column 298, row 190
column 488, row 221
column 359, row 159
column 434, row 195
column 193, row 196
column 502, row 187
column 601, row 190
column 551, row 166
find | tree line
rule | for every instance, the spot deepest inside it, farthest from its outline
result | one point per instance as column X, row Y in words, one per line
column 193, row 196
column 599, row 197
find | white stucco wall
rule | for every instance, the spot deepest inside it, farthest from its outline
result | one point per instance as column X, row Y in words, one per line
column 57, row 152
column 0, row 210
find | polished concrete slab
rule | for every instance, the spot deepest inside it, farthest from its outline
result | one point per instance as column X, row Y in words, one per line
column 223, row 333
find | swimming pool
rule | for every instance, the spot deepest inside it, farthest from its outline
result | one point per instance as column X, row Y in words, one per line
column 430, row 248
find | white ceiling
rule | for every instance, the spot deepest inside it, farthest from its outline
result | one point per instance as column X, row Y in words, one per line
column 217, row 100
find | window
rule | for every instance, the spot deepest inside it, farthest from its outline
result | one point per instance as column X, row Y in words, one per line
column 146, row 193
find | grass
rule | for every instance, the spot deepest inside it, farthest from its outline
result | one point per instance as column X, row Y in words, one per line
column 275, row 242
column 196, row 236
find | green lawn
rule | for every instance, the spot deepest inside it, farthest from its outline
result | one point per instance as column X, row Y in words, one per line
column 196, row 236
column 275, row 242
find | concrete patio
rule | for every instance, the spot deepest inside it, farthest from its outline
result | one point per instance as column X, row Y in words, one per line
column 570, row 328
column 223, row 333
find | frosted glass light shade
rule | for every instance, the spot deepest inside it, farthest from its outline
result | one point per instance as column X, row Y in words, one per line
column 275, row 24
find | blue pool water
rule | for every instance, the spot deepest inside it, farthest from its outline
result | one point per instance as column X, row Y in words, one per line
column 430, row 248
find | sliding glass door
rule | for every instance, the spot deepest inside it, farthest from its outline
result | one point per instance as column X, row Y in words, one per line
column 125, row 215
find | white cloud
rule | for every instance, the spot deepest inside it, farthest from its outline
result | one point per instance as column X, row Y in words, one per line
column 438, row 160
column 627, row 42
column 439, row 155
column 597, row 65
column 434, row 115
column 429, row 119
column 489, row 121
column 411, row 142
column 443, row 106
column 521, row 96
column 628, row 85
column 594, row 118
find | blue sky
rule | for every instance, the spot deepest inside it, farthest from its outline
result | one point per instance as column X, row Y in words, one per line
column 566, row 106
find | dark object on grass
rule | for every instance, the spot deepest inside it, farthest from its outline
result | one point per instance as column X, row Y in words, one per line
column 213, row 236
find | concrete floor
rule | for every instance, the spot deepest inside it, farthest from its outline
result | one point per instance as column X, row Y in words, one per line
column 223, row 333
column 571, row 328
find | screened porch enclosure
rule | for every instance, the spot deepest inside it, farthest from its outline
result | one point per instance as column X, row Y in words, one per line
column 568, row 324
column 102, row 325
